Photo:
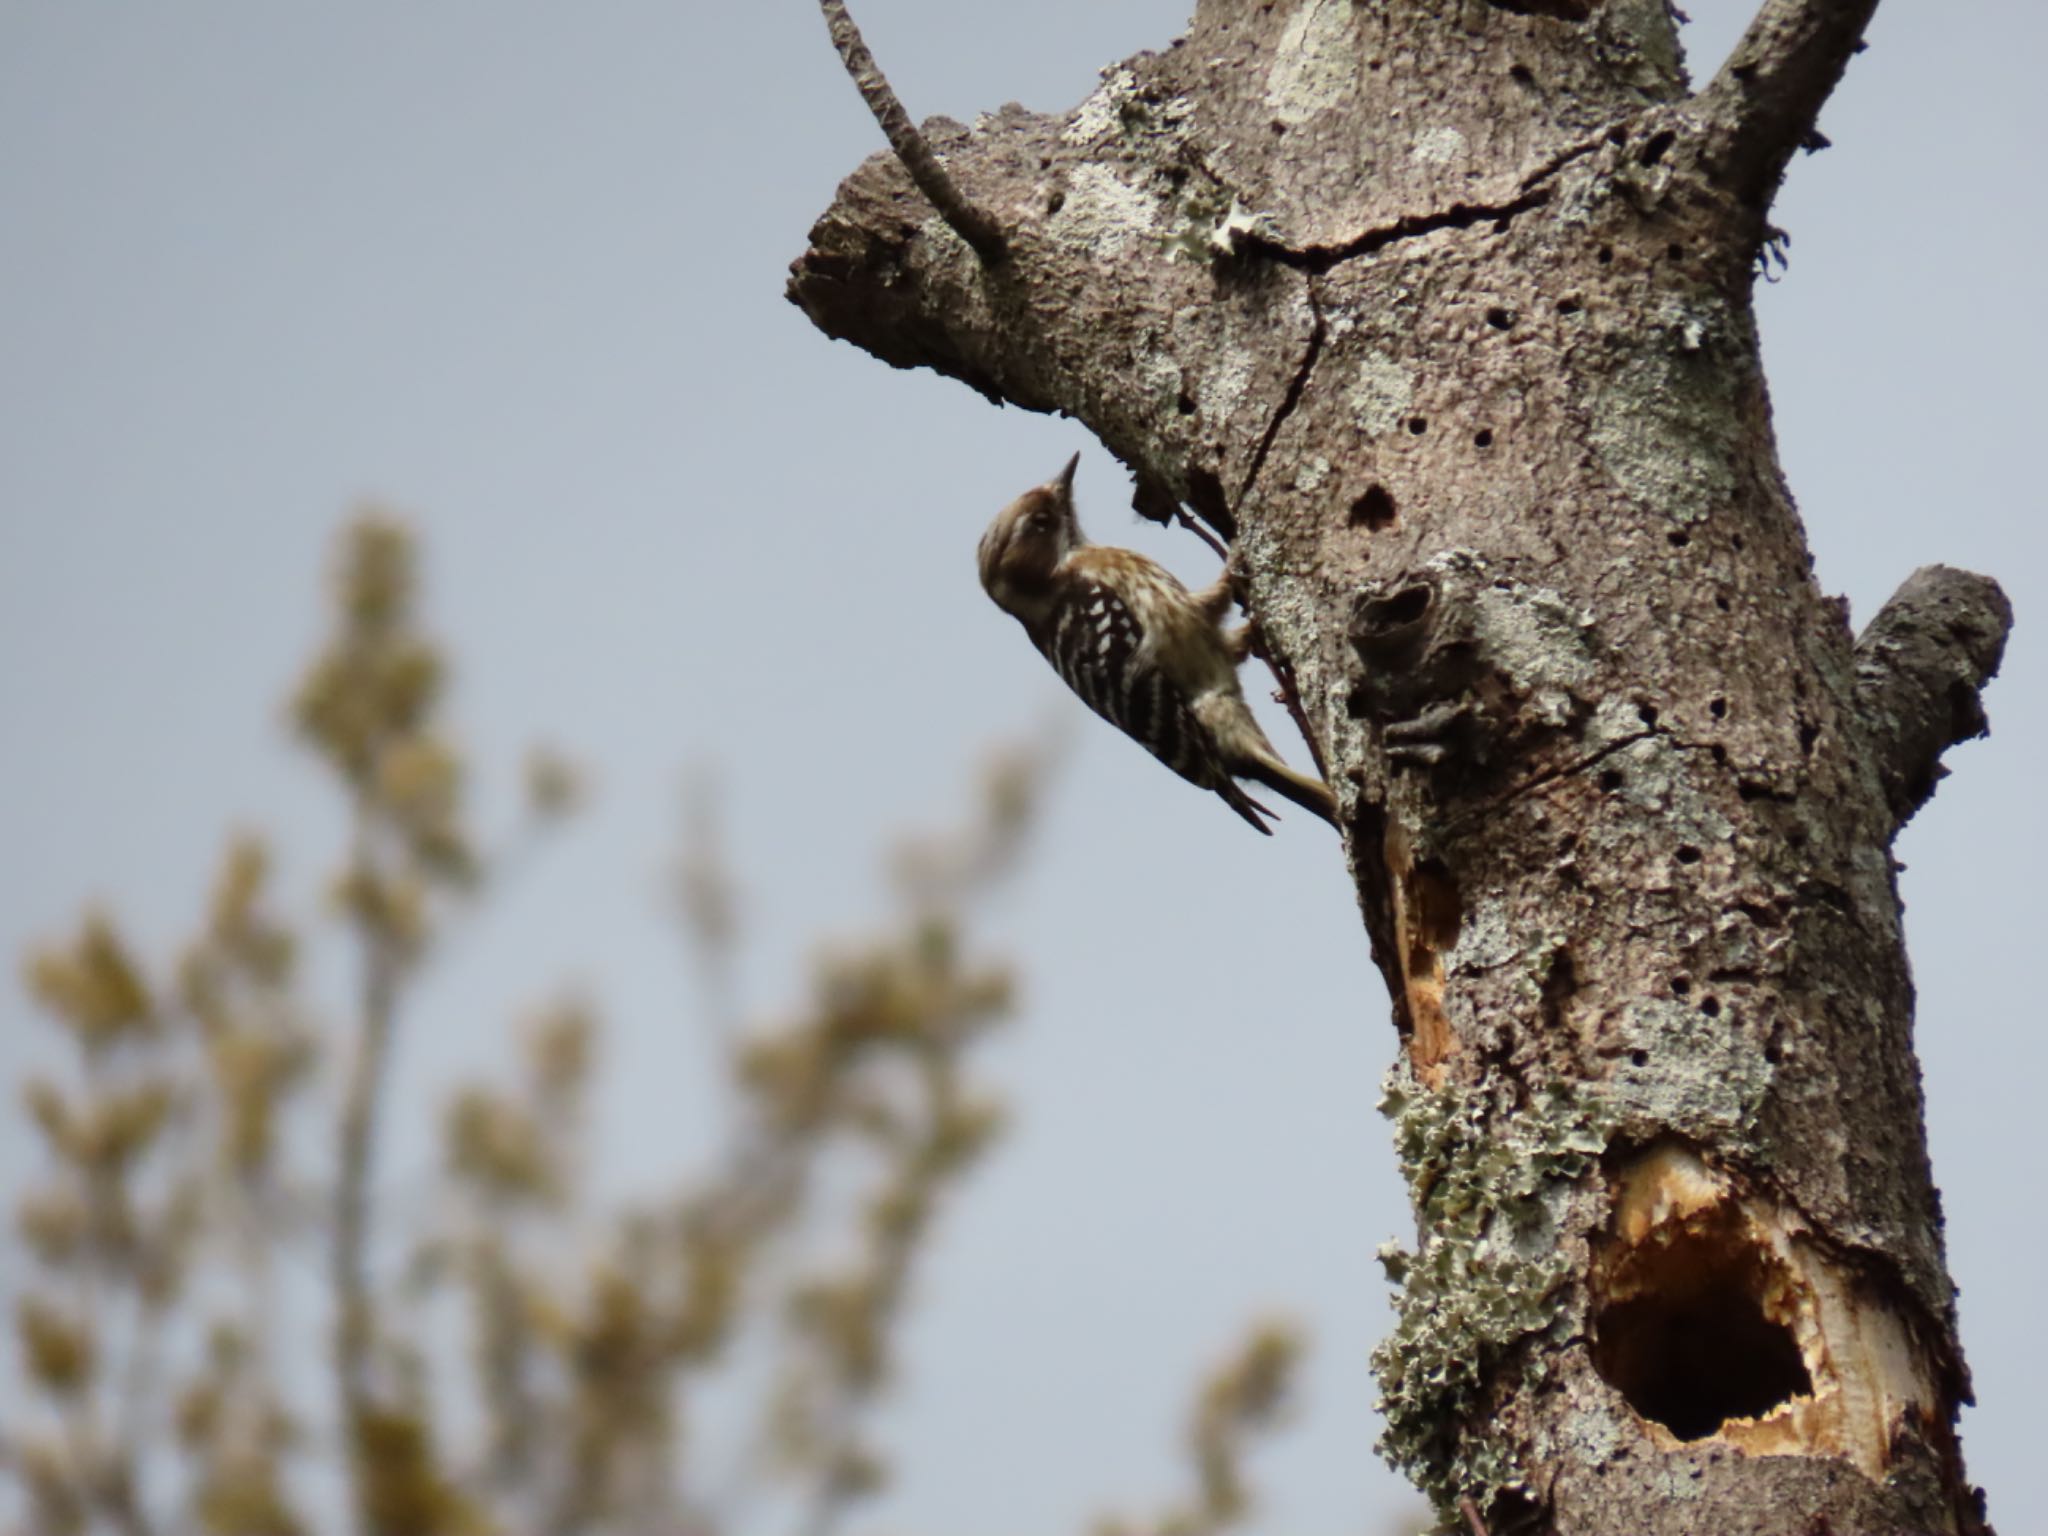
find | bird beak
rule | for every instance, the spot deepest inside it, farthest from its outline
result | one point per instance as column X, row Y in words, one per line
column 1064, row 481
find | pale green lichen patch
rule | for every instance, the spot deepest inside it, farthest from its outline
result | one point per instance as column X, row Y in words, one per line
column 1490, row 1187
column 1486, row 941
column 1686, row 1071
column 1437, row 146
column 1654, row 774
column 1380, row 394
column 1315, row 66
column 1102, row 111
column 1102, row 213
column 1539, row 642
column 1664, row 421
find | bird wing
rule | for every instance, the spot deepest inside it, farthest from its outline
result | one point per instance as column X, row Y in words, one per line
column 1098, row 648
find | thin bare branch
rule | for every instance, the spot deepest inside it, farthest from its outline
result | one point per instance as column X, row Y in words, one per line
column 966, row 220
column 1764, row 102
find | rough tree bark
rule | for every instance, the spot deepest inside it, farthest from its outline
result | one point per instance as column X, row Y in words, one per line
column 1439, row 310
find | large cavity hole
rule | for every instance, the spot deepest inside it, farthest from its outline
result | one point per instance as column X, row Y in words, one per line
column 1690, row 1344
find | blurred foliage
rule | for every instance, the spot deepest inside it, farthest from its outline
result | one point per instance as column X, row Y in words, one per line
column 1241, row 1397
column 210, row 1185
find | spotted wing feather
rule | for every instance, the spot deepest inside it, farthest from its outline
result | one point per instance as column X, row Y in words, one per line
column 1097, row 645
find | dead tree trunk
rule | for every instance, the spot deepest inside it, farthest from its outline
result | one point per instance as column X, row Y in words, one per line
column 1439, row 310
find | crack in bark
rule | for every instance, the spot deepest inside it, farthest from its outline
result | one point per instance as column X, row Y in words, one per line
column 1319, row 259
column 1295, row 389
column 1552, row 775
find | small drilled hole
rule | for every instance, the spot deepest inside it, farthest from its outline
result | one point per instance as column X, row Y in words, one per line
column 1688, row 854
column 1639, row 1058
column 1606, row 254
column 1647, row 713
column 1500, row 319
column 1675, row 251
column 1185, row 405
column 1418, row 425
column 1718, row 708
column 1483, row 438
column 1711, row 1007
column 1374, row 510
column 1721, row 601
column 1720, row 754
column 1678, row 540
column 1055, row 203
column 1680, row 985
column 1611, row 780
column 1736, row 541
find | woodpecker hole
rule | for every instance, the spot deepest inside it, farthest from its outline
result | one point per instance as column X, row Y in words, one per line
column 1647, row 713
column 1403, row 608
column 1610, row 780
column 1718, row 708
column 1569, row 306
column 1439, row 911
column 1690, row 1339
column 1606, row 254
column 1680, row 985
column 1678, row 540
column 1374, row 510
column 1521, row 74
column 1687, row 854
column 1675, row 251
column 1721, row 601
column 1736, row 542
column 1418, row 425
column 1185, row 404
column 1500, row 319
column 1483, row 438
column 1055, row 203
column 1561, row 10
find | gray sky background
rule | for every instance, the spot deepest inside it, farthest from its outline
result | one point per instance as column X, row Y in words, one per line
column 517, row 269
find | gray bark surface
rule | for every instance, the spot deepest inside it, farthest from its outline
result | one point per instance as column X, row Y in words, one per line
column 1440, row 312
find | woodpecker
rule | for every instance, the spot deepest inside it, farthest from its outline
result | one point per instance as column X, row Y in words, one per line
column 1142, row 651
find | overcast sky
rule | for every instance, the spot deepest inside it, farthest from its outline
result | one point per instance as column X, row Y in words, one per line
column 516, row 268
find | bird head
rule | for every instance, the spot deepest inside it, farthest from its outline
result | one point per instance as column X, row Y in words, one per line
column 1025, row 544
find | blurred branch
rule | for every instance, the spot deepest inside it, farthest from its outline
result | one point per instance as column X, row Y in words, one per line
column 377, row 1009
column 1244, row 1396
column 172, row 1152
column 708, row 897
